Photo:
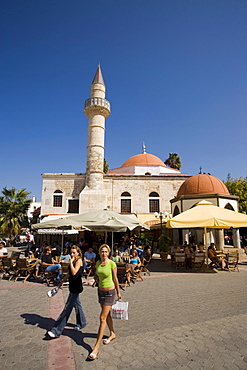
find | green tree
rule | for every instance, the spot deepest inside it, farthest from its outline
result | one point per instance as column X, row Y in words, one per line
column 238, row 187
column 174, row 161
column 106, row 166
column 13, row 207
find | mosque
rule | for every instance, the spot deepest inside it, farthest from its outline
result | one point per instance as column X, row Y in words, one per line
column 142, row 185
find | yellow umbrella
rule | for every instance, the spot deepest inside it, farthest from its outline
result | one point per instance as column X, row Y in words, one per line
column 205, row 215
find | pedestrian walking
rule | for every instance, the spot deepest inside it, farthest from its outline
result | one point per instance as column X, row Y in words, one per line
column 106, row 272
column 75, row 288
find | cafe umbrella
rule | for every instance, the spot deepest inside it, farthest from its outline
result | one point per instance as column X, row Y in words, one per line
column 207, row 216
column 102, row 220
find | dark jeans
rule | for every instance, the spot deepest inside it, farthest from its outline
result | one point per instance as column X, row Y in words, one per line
column 72, row 301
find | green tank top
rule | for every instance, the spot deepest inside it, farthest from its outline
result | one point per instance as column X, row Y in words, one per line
column 104, row 272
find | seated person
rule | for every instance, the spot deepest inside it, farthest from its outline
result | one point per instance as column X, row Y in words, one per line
column 65, row 256
column 116, row 257
column 89, row 258
column 173, row 250
column 188, row 255
column 135, row 263
column 212, row 255
column 3, row 249
column 147, row 256
column 194, row 246
column 48, row 262
column 138, row 250
column 201, row 248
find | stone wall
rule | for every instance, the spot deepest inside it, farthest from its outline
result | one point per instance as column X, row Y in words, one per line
column 69, row 184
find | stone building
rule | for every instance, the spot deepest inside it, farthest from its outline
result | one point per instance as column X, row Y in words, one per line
column 142, row 185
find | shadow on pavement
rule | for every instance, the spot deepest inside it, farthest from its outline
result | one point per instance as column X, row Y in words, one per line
column 46, row 323
column 41, row 322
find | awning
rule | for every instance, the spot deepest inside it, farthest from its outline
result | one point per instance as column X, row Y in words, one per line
column 56, row 231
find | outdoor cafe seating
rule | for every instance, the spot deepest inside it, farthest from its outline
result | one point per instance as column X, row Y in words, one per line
column 232, row 259
column 8, row 267
column 24, row 269
column 123, row 274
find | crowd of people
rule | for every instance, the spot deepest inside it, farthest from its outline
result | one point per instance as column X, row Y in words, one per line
column 217, row 260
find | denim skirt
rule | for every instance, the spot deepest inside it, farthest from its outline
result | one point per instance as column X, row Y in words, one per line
column 107, row 297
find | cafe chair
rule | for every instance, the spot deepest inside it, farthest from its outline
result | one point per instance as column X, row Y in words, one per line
column 47, row 277
column 123, row 275
column 8, row 267
column 144, row 268
column 24, row 269
column 232, row 259
column 198, row 260
column 179, row 258
column 65, row 270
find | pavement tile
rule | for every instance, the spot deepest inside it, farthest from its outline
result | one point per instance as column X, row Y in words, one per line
column 176, row 321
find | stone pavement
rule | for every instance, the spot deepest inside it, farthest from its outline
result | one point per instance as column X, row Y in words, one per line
column 177, row 320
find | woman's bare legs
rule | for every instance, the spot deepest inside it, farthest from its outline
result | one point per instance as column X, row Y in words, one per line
column 103, row 320
column 110, row 326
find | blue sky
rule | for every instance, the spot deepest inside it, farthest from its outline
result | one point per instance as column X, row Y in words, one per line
column 175, row 73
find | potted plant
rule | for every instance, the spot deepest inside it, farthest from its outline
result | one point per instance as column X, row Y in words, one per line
column 164, row 242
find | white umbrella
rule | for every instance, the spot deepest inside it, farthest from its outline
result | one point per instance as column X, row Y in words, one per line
column 103, row 220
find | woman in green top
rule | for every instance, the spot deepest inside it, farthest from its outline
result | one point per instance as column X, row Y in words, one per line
column 106, row 273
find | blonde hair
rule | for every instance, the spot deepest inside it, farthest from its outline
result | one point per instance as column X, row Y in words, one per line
column 104, row 246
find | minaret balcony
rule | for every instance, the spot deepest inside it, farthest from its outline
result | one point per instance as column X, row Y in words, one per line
column 96, row 105
column 98, row 102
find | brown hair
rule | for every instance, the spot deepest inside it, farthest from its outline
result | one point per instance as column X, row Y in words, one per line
column 78, row 250
column 46, row 249
column 134, row 253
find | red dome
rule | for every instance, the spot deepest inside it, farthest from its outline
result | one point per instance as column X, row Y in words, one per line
column 144, row 159
column 202, row 184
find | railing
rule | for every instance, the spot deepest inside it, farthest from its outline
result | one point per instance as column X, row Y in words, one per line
column 97, row 101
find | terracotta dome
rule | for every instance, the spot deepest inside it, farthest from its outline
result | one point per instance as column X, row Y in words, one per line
column 202, row 184
column 144, row 159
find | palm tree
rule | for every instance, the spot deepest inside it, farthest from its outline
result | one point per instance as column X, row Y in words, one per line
column 106, row 166
column 13, row 208
column 174, row 161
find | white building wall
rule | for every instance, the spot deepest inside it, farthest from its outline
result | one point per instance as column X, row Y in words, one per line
column 140, row 188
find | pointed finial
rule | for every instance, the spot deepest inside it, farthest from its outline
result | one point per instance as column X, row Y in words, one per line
column 98, row 78
column 143, row 148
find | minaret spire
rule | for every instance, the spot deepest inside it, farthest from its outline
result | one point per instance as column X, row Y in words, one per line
column 98, row 78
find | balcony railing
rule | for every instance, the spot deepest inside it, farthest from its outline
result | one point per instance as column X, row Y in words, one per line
column 97, row 101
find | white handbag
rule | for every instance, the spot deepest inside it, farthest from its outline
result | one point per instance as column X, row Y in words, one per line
column 120, row 310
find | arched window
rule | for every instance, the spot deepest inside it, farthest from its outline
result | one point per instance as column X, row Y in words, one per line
column 125, row 202
column 229, row 206
column 154, row 202
column 176, row 211
column 57, row 199
column 154, row 194
column 148, row 173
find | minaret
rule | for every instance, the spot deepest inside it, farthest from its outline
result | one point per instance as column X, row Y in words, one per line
column 97, row 109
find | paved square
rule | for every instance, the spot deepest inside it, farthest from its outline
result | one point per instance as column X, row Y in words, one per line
column 177, row 320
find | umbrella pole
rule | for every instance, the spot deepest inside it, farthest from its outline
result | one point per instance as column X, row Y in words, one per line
column 112, row 242
column 205, row 243
column 105, row 237
column 62, row 241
